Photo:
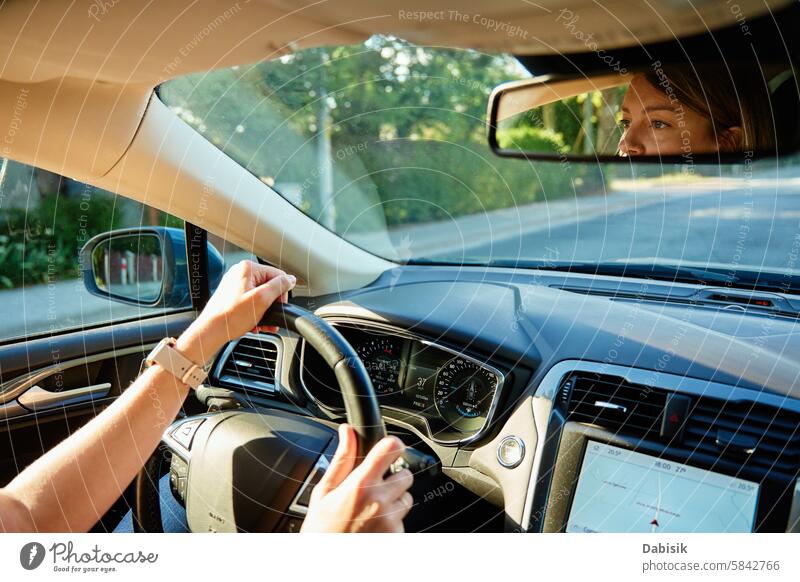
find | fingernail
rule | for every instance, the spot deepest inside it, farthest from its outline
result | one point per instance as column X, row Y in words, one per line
column 292, row 279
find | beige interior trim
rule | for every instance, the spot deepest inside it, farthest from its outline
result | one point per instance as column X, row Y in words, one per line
column 69, row 126
column 172, row 167
column 149, row 42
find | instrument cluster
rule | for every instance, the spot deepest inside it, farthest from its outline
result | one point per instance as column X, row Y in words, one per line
column 450, row 395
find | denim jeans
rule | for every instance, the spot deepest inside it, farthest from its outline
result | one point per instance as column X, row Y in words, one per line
column 173, row 515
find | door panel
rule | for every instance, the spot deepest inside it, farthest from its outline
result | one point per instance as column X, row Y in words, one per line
column 35, row 375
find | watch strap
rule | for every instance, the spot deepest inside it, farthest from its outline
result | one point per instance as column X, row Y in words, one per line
column 166, row 355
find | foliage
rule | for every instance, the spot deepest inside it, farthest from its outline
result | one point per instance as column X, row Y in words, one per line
column 404, row 128
column 41, row 244
column 538, row 139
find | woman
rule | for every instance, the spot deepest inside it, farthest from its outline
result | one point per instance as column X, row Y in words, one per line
column 685, row 111
column 103, row 457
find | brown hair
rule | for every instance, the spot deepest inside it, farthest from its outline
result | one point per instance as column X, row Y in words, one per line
column 727, row 96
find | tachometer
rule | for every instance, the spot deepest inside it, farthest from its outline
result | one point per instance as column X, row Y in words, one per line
column 381, row 357
column 464, row 393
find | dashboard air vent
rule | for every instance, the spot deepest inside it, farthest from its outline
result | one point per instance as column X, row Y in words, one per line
column 613, row 403
column 251, row 364
column 754, row 434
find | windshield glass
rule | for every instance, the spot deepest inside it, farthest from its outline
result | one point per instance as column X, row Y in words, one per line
column 384, row 143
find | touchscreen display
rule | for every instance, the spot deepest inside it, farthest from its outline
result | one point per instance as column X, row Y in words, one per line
column 624, row 491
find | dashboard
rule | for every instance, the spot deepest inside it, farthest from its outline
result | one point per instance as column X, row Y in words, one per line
column 574, row 403
column 449, row 393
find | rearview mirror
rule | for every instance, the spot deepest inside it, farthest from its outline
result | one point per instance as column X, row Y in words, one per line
column 143, row 266
column 666, row 114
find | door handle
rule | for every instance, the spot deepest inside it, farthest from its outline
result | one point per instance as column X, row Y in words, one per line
column 37, row 398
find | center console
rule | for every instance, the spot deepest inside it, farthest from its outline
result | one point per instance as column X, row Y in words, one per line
column 604, row 482
column 619, row 456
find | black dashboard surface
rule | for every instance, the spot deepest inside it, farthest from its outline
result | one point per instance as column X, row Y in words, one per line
column 571, row 350
column 527, row 317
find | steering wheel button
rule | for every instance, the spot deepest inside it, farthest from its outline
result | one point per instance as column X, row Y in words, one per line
column 181, row 488
column 184, row 433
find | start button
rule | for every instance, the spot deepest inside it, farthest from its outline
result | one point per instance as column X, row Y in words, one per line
column 511, row 451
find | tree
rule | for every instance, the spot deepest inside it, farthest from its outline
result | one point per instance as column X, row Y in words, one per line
column 365, row 136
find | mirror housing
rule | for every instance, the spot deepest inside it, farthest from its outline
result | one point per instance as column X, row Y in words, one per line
column 144, row 266
column 582, row 118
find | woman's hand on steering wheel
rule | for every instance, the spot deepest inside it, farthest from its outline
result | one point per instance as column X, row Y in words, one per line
column 361, row 499
column 244, row 294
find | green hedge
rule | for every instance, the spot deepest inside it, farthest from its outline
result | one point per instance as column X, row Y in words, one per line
column 41, row 244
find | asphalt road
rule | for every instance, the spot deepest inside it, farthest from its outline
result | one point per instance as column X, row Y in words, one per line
column 66, row 304
column 759, row 227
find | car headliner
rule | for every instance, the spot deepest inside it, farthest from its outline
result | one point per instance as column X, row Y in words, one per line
column 77, row 80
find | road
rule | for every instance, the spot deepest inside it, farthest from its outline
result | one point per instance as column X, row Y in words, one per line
column 759, row 227
column 65, row 304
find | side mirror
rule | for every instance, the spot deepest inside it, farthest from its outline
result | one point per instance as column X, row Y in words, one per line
column 143, row 266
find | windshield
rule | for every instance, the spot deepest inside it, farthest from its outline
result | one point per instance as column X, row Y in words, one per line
column 384, row 143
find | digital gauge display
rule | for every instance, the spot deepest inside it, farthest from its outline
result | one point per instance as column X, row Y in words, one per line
column 464, row 393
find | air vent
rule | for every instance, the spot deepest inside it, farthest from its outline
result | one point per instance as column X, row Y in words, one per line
column 251, row 364
column 753, row 434
column 613, row 403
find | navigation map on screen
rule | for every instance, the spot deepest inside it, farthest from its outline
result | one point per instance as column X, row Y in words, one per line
column 624, row 491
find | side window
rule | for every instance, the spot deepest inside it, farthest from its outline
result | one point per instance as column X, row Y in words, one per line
column 231, row 253
column 45, row 219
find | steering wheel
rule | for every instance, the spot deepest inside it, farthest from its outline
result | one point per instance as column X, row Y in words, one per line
column 241, row 470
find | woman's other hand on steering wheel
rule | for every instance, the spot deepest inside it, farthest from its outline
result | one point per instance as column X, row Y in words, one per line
column 244, row 294
column 360, row 499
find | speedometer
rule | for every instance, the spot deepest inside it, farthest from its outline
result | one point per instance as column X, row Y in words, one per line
column 381, row 357
column 464, row 393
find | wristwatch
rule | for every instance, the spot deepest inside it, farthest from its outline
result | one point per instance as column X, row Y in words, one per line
column 166, row 355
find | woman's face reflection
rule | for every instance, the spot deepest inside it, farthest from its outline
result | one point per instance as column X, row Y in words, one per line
column 655, row 125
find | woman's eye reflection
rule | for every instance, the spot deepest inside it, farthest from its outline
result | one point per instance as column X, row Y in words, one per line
column 700, row 112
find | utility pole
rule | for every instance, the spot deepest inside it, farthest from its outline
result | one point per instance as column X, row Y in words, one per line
column 324, row 159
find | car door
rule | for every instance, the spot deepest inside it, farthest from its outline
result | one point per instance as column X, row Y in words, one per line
column 65, row 355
